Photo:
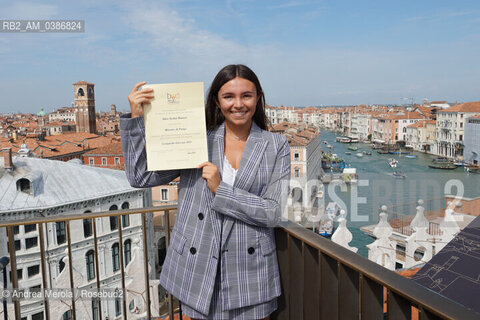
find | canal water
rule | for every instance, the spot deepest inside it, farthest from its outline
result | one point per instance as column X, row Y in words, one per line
column 378, row 186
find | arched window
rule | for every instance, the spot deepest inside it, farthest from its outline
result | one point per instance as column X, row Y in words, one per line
column 127, row 251
column 67, row 315
column 80, row 92
column 61, row 265
column 90, row 263
column 24, row 185
column 113, row 219
column 115, row 257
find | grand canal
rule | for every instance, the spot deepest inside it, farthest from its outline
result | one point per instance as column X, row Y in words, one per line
column 377, row 186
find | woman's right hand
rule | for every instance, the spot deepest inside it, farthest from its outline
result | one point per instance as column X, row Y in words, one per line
column 137, row 98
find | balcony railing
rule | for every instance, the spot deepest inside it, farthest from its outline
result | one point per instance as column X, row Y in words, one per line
column 320, row 279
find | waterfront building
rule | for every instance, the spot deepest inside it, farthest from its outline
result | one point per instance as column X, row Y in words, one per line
column 392, row 127
column 33, row 188
column 361, row 126
column 472, row 140
column 305, row 153
column 421, row 135
column 450, row 130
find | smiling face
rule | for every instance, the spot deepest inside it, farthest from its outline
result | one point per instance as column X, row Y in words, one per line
column 237, row 100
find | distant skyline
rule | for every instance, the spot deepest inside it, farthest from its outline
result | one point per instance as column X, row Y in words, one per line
column 306, row 53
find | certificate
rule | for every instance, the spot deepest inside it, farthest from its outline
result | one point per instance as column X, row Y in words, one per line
column 175, row 129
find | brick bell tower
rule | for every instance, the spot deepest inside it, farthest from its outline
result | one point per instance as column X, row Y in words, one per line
column 84, row 99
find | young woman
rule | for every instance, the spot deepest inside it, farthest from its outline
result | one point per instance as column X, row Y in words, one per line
column 221, row 262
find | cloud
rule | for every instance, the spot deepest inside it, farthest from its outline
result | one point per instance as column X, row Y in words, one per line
column 182, row 39
column 29, row 10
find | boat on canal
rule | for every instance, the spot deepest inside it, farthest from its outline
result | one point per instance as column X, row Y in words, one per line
column 359, row 155
column 399, row 174
column 353, row 148
column 393, row 162
column 411, row 156
column 442, row 163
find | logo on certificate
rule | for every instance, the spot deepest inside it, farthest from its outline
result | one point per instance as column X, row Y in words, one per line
column 173, row 98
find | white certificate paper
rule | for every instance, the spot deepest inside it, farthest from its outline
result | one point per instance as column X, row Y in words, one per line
column 175, row 128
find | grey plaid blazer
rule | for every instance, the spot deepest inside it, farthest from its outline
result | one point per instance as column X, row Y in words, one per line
column 234, row 226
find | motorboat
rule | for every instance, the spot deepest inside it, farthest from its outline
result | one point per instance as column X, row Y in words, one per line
column 393, row 162
column 348, row 152
column 442, row 163
column 359, row 155
column 368, row 153
column 353, row 148
column 350, row 175
column 327, row 221
column 411, row 156
column 399, row 175
column 343, row 139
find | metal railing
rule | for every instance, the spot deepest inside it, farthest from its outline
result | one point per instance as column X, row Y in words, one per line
column 320, row 279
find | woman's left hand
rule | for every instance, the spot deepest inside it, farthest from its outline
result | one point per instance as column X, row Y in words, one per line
column 211, row 174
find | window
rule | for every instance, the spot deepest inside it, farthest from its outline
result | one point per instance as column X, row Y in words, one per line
column 16, row 244
column 118, row 307
column 80, row 92
column 87, row 227
column 24, row 185
column 117, row 160
column 460, row 138
column 164, row 194
column 90, row 265
column 125, row 217
column 30, row 228
column 296, row 156
column 33, row 270
column 91, row 161
column 461, row 124
column 297, row 172
column 127, row 251
column 115, row 257
column 113, row 219
column 104, row 161
column 67, row 315
column 61, row 265
column 39, row 316
column 31, row 242
column 19, row 274
column 61, row 232
column 95, row 309
column 16, row 230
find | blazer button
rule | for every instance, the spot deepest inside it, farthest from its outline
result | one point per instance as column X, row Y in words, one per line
column 251, row 250
column 193, row 250
column 200, row 216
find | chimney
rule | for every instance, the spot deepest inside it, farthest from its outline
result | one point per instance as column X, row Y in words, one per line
column 7, row 158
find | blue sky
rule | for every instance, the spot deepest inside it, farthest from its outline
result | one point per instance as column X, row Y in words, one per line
column 304, row 52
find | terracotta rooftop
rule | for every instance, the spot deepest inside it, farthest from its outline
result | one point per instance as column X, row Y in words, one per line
column 464, row 107
column 110, row 149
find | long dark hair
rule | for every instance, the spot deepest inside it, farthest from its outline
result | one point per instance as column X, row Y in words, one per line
column 213, row 114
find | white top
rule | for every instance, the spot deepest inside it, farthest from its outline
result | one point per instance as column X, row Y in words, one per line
column 229, row 173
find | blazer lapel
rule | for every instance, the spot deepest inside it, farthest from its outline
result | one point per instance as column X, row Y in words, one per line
column 247, row 170
column 216, row 157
